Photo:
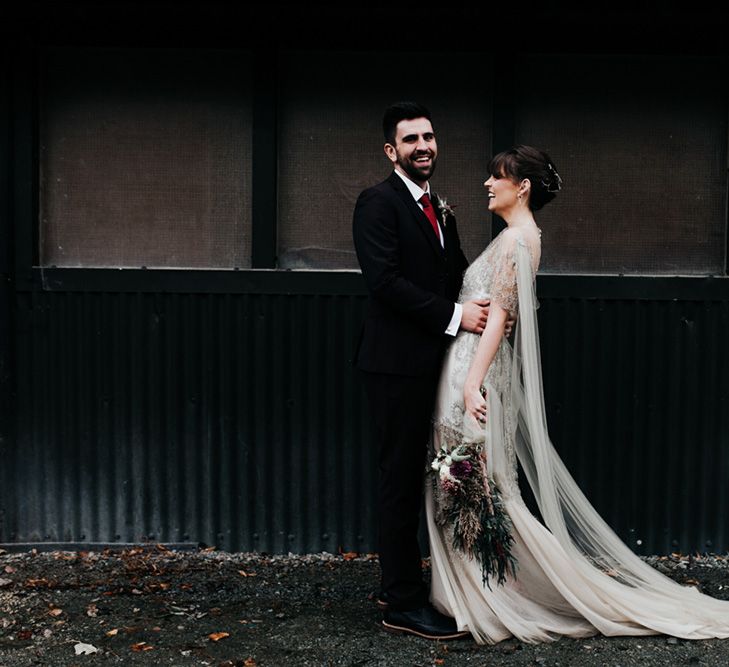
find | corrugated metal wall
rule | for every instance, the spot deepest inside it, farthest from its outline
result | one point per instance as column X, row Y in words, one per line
column 233, row 420
column 237, row 420
column 638, row 395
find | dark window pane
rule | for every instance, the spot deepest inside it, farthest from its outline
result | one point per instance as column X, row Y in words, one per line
column 641, row 146
column 145, row 159
column 331, row 144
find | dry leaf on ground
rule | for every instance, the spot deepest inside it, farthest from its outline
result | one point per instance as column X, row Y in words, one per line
column 142, row 646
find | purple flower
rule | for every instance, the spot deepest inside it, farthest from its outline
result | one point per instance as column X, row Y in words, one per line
column 461, row 469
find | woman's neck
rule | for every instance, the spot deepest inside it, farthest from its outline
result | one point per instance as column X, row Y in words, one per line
column 522, row 217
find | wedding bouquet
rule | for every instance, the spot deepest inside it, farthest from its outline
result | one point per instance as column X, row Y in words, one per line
column 472, row 504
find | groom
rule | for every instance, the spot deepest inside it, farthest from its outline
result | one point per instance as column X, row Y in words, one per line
column 412, row 263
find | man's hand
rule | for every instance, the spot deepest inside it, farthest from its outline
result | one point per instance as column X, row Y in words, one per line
column 474, row 315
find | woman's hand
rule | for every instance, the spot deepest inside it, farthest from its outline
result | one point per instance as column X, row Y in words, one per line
column 475, row 402
column 509, row 326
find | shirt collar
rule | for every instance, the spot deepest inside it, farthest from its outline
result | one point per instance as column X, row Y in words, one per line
column 415, row 190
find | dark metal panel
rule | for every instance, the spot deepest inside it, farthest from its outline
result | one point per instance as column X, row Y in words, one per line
column 350, row 283
column 6, row 287
column 237, row 419
column 228, row 419
column 637, row 396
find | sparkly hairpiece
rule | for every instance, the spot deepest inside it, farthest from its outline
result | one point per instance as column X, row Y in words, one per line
column 556, row 181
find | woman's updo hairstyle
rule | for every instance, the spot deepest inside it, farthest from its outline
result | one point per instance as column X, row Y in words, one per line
column 522, row 162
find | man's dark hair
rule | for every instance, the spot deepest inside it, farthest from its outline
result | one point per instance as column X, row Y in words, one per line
column 401, row 111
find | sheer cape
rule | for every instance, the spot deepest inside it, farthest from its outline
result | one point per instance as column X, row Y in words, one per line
column 577, row 578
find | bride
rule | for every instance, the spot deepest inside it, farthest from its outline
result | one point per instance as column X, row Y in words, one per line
column 573, row 577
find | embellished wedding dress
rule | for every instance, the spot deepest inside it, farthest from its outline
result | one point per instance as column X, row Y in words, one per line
column 574, row 577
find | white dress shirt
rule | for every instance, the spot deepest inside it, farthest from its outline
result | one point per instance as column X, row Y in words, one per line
column 417, row 192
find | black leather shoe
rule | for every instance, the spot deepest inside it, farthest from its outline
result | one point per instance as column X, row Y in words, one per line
column 423, row 622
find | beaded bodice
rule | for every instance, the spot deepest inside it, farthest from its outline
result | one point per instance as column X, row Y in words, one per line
column 492, row 275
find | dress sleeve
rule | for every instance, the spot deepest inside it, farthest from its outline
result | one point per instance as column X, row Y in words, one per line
column 504, row 290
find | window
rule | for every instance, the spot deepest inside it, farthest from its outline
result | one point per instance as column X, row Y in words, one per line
column 145, row 159
column 330, row 145
column 641, row 146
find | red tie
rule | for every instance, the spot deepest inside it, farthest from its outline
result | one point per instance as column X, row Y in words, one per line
column 430, row 213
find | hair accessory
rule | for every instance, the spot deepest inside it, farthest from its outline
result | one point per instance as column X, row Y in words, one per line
column 555, row 184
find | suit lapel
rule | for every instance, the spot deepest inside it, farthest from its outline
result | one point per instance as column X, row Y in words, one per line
column 417, row 212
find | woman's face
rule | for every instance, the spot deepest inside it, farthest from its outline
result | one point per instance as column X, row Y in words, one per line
column 502, row 192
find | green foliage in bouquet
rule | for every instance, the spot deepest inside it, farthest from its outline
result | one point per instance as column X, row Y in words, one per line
column 472, row 505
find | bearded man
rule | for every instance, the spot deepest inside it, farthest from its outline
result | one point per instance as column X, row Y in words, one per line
column 411, row 259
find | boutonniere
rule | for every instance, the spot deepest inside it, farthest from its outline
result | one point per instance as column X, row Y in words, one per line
column 446, row 209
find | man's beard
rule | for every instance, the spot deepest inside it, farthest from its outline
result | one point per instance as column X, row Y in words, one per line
column 413, row 171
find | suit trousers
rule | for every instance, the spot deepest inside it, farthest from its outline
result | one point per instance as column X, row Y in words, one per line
column 401, row 408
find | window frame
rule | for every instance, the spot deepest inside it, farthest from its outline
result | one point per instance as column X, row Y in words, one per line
column 264, row 277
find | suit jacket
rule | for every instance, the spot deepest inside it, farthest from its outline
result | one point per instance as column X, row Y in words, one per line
column 413, row 281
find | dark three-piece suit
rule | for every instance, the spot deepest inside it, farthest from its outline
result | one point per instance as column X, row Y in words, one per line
column 413, row 284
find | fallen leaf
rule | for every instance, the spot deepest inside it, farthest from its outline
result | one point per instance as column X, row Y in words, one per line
column 5, row 583
column 439, row 661
column 84, row 649
column 24, row 634
column 185, row 587
column 691, row 582
column 92, row 610
column 250, row 662
column 113, row 633
column 349, row 555
column 55, row 611
column 142, row 646
column 217, row 636
column 162, row 547
column 9, row 569
column 243, row 573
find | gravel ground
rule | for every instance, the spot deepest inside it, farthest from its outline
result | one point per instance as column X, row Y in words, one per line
column 154, row 606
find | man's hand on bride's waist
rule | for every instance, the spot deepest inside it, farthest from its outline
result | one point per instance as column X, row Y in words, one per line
column 475, row 314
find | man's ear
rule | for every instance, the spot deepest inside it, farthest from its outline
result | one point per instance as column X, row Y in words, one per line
column 391, row 153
